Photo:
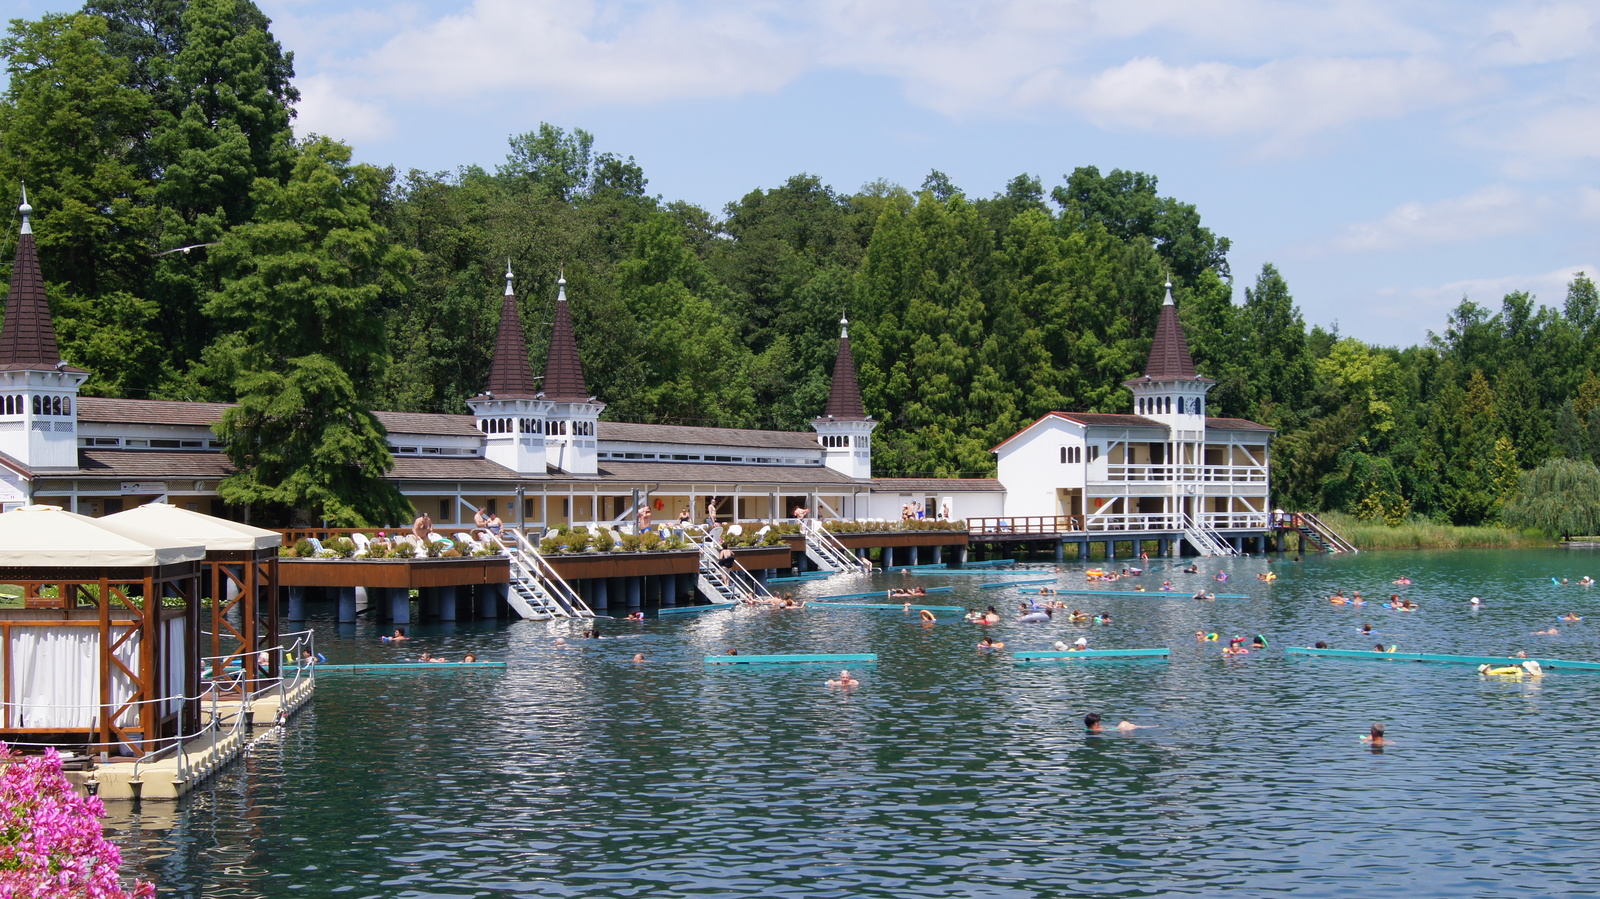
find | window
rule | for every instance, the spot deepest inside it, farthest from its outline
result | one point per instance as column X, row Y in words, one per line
column 1094, row 453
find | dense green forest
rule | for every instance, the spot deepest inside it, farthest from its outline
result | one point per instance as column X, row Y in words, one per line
column 315, row 286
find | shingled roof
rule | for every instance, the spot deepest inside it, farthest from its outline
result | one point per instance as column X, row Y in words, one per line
column 28, row 336
column 844, row 398
column 1169, row 354
column 510, row 375
column 563, row 370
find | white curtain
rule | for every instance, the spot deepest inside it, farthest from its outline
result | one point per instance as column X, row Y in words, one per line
column 55, row 676
column 175, row 664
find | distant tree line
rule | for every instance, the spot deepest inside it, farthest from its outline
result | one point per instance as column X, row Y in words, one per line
column 315, row 289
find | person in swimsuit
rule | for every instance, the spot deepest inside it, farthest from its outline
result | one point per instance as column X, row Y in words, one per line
column 1091, row 723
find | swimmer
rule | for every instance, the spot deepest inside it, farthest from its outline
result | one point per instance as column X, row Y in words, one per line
column 989, row 643
column 399, row 634
column 635, row 616
column 561, row 642
column 1258, row 642
column 1222, row 577
column 1080, row 644
column 1166, row 586
column 1571, row 617
column 638, row 658
column 1402, row 580
column 1060, row 646
column 1553, row 632
column 845, row 681
column 1321, row 644
column 1194, row 568
column 469, row 659
column 1199, row 636
column 1375, row 737
column 1476, row 602
column 1586, row 581
column 1091, row 723
column 1366, row 630
column 1203, row 595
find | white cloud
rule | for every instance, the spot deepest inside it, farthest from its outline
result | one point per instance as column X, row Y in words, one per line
column 325, row 109
column 1528, row 34
column 1549, row 287
column 1290, row 97
column 587, row 51
column 1493, row 211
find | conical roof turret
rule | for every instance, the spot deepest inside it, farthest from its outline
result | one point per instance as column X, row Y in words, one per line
column 1169, row 354
column 844, row 398
column 28, row 335
column 510, row 375
column 563, row 370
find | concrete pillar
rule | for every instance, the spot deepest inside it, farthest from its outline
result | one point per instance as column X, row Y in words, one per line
column 938, row 555
column 1111, row 550
column 447, row 603
column 485, row 596
column 427, row 603
column 961, row 554
column 888, row 558
column 1238, row 545
column 600, row 595
column 297, row 603
column 1061, row 550
column 916, row 556
column 399, row 605
column 347, row 605
column 362, row 600
column 1083, row 550
column 635, row 594
column 686, row 588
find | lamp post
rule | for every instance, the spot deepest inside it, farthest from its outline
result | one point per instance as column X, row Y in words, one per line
column 522, row 507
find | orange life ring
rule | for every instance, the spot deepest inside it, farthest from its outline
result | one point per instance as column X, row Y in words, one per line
column 660, row 504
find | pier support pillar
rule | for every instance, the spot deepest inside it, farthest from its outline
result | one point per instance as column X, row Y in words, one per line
column 1061, row 550
column 399, row 605
column 938, row 555
column 961, row 555
column 1111, row 550
column 297, row 603
column 1238, row 545
column 685, row 588
column 363, row 601
column 916, row 556
column 427, row 603
column 1083, row 551
column 635, row 593
column 447, row 603
column 347, row 604
column 888, row 558
column 599, row 595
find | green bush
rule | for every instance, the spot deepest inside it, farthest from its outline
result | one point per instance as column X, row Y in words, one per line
column 304, row 549
column 343, row 547
column 604, row 541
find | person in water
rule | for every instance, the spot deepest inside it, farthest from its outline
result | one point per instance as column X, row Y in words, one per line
column 845, row 681
column 1375, row 737
column 1571, row 617
column 1091, row 723
column 1194, row 568
column 399, row 634
column 1366, row 630
column 989, row 643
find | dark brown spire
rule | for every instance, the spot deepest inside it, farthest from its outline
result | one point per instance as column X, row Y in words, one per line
column 510, row 375
column 28, row 337
column 563, row 370
column 1169, row 355
column 844, row 399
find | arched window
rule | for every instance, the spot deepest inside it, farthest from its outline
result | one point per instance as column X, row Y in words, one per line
column 55, row 405
column 66, row 405
column 36, row 406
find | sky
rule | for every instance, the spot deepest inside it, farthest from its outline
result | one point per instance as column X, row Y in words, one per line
column 1389, row 157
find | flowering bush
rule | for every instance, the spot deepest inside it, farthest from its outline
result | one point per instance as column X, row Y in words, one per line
column 51, row 843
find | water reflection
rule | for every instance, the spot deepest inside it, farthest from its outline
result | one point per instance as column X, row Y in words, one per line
column 577, row 772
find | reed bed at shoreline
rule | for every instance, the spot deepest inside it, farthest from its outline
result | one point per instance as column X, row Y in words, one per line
column 1422, row 534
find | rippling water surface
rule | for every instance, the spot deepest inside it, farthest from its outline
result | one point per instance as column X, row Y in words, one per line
column 577, row 772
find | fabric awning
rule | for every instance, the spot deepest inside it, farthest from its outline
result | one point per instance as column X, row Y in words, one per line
column 208, row 530
column 39, row 536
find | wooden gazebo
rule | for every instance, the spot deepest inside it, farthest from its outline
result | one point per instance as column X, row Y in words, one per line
column 241, row 573
column 104, row 652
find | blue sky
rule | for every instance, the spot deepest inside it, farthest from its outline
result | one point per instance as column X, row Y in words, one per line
column 1389, row 156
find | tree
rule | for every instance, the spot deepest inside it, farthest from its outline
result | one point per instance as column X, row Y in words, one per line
column 302, row 298
column 1560, row 497
column 552, row 161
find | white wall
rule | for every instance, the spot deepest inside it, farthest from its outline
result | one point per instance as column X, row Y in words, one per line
column 1031, row 470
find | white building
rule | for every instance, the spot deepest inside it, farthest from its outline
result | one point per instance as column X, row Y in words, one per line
column 1165, row 468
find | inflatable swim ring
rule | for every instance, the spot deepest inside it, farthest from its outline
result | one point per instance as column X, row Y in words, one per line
column 1502, row 671
column 1211, row 637
column 927, row 615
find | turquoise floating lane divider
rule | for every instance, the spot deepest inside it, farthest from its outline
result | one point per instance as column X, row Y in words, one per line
column 1053, row 655
column 856, row 657
column 883, row 593
column 882, row 606
column 992, row 562
column 915, row 567
column 690, row 610
column 1002, row 584
column 1158, row 594
column 1371, row 656
column 820, row 576
column 416, row 666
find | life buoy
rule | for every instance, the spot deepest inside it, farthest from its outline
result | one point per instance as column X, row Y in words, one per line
column 660, row 504
column 927, row 615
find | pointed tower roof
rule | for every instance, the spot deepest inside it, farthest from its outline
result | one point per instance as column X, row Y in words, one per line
column 1169, row 354
column 510, row 375
column 28, row 336
column 563, row 370
column 844, row 399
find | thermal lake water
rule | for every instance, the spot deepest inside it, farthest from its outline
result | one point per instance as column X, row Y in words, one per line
column 949, row 772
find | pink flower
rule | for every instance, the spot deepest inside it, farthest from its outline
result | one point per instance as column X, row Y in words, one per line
column 51, row 841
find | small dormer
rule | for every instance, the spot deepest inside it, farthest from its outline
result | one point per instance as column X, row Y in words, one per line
column 573, row 415
column 1171, row 391
column 845, row 430
column 510, row 412
column 38, row 390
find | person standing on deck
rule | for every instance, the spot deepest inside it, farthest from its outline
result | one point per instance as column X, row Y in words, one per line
column 422, row 528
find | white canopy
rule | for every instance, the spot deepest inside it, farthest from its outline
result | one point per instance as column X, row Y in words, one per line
column 51, row 536
column 207, row 530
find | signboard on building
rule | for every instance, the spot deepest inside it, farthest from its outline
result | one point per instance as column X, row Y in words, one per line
column 143, row 488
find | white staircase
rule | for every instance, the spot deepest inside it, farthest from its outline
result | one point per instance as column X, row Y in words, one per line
column 537, row 592
column 730, row 584
column 827, row 553
column 1205, row 541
